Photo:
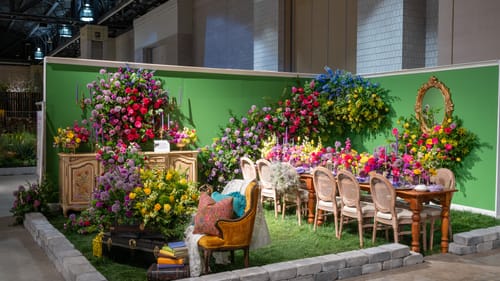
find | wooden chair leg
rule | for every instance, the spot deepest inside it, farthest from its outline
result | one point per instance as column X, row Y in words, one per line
column 246, row 256
column 206, row 260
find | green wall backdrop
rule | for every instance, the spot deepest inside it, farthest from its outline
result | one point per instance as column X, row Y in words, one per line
column 208, row 95
column 474, row 92
column 205, row 96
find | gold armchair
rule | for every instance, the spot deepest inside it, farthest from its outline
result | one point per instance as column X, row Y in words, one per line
column 236, row 234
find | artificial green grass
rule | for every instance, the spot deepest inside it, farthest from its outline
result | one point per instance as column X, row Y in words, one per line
column 289, row 241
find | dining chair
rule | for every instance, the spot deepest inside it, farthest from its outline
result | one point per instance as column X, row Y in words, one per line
column 351, row 206
column 247, row 167
column 296, row 195
column 327, row 201
column 268, row 190
column 446, row 178
column 386, row 212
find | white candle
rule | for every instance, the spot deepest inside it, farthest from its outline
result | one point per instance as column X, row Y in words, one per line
column 168, row 121
column 162, row 117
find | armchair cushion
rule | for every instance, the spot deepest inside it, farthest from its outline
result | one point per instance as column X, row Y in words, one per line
column 209, row 212
column 239, row 201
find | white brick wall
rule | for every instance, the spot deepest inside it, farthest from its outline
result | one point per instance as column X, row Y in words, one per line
column 266, row 27
column 223, row 33
column 380, row 30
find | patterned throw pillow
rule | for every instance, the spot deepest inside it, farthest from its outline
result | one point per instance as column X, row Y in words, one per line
column 239, row 201
column 209, row 212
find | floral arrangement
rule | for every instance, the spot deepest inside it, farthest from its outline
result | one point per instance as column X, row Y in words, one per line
column 284, row 179
column 121, row 154
column 443, row 146
column 165, row 201
column 306, row 154
column 125, row 105
column 241, row 137
column 352, row 104
column 30, row 198
column 68, row 139
column 183, row 137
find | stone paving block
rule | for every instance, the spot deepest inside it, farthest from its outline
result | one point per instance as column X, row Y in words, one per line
column 397, row 250
column 488, row 234
column 307, row 266
column 496, row 244
column 332, row 262
column 327, row 275
column 349, row 272
column 303, row 278
column 221, row 276
column 413, row 258
column 78, row 269
column 485, row 246
column 371, row 268
column 281, row 270
column 467, row 238
column 459, row 249
column 391, row 264
column 354, row 258
column 252, row 274
column 377, row 254
column 91, row 276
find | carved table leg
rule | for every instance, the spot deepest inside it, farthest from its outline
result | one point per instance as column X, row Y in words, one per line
column 445, row 222
column 416, row 207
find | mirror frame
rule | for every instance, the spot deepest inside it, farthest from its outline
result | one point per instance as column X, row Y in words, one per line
column 433, row 82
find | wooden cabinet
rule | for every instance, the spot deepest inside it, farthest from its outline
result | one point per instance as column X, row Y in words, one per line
column 78, row 173
column 77, row 179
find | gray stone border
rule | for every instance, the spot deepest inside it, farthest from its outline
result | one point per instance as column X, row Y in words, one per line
column 475, row 241
column 73, row 266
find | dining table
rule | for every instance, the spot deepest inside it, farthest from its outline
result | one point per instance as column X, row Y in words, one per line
column 415, row 199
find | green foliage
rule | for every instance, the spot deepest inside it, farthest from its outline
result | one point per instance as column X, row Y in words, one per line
column 19, row 149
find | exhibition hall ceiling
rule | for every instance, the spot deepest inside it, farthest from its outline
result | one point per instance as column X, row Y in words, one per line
column 52, row 26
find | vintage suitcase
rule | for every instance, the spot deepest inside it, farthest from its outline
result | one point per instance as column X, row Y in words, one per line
column 133, row 248
column 156, row 274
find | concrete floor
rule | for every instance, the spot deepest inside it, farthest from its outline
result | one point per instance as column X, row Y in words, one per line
column 20, row 257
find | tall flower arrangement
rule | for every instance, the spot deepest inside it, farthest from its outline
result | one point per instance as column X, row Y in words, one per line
column 125, row 105
column 240, row 137
column 352, row 104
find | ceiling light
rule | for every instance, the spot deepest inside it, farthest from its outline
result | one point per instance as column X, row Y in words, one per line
column 38, row 54
column 65, row 31
column 86, row 14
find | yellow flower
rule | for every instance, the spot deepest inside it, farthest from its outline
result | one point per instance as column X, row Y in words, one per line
column 132, row 195
column 168, row 176
column 147, row 191
column 167, row 208
column 69, row 134
column 171, row 198
column 416, row 172
column 157, row 207
column 458, row 159
column 183, row 181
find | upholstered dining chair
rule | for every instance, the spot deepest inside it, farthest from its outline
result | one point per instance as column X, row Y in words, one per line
column 268, row 190
column 446, row 178
column 386, row 212
column 235, row 234
column 325, row 186
column 351, row 205
column 247, row 167
column 296, row 195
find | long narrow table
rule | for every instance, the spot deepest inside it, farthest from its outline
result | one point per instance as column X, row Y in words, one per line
column 413, row 197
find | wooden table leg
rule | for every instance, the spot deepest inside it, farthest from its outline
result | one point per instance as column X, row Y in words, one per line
column 416, row 207
column 445, row 222
column 311, row 202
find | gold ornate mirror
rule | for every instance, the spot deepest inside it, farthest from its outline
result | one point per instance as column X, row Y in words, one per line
column 433, row 94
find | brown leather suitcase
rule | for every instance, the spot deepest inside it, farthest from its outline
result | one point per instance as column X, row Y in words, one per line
column 156, row 274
